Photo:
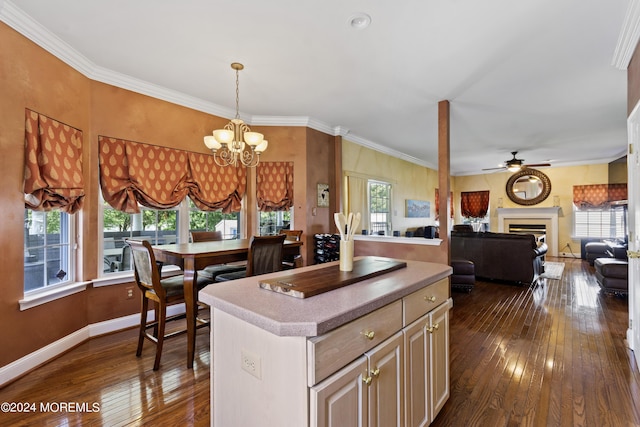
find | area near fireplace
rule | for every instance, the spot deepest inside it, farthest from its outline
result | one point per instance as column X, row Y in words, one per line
column 537, row 221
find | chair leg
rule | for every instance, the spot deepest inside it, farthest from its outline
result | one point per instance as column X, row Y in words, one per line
column 162, row 320
column 143, row 324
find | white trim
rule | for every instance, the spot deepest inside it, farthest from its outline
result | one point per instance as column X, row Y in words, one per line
column 14, row 17
column 629, row 36
column 403, row 240
column 43, row 355
column 36, row 298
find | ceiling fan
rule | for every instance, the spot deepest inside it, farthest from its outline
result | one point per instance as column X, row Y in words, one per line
column 514, row 165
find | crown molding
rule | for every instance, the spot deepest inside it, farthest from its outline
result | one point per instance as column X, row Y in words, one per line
column 17, row 19
column 629, row 36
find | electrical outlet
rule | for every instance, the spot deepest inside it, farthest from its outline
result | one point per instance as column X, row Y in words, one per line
column 129, row 292
column 251, row 363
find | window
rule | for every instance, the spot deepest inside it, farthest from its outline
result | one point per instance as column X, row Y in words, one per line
column 601, row 223
column 272, row 222
column 48, row 249
column 157, row 226
column 228, row 223
column 380, row 207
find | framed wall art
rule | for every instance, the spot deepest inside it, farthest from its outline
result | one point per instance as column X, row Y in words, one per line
column 417, row 208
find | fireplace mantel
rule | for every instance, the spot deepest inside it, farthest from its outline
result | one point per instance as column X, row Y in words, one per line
column 548, row 216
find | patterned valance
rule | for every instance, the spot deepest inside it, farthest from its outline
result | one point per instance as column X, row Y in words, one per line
column 274, row 186
column 474, row 204
column 598, row 195
column 52, row 165
column 133, row 173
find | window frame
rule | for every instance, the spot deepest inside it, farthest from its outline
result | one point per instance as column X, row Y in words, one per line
column 617, row 223
column 389, row 213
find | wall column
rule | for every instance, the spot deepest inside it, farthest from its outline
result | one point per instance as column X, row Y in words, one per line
column 444, row 174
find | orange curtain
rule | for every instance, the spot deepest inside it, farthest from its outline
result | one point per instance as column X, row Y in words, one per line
column 274, row 186
column 438, row 203
column 474, row 204
column 216, row 187
column 52, row 165
column 133, row 173
column 598, row 195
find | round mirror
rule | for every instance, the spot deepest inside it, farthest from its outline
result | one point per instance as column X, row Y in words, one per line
column 528, row 187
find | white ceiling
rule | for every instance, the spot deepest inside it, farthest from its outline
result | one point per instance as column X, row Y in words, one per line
column 534, row 76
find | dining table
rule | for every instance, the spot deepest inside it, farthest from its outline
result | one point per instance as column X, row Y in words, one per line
column 191, row 257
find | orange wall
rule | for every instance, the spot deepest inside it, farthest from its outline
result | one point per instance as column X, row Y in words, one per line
column 633, row 82
column 31, row 77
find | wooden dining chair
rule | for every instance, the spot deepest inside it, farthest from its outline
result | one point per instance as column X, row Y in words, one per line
column 292, row 261
column 265, row 256
column 212, row 271
column 163, row 292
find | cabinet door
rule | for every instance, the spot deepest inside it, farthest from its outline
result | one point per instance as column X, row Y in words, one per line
column 342, row 399
column 417, row 385
column 439, row 344
column 386, row 389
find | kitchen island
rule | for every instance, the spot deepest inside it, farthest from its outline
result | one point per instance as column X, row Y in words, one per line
column 375, row 352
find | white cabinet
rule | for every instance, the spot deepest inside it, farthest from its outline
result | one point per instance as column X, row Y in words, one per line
column 368, row 392
column 388, row 367
column 403, row 381
column 426, row 343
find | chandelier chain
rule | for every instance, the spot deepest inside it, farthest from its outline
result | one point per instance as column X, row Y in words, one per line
column 237, row 94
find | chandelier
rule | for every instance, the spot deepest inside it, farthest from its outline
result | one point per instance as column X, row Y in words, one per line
column 235, row 142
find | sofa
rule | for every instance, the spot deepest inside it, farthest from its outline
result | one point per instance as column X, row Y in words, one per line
column 509, row 257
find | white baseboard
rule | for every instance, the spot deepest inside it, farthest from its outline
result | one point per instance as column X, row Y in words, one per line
column 41, row 356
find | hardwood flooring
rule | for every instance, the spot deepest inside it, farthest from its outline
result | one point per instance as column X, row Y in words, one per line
column 549, row 355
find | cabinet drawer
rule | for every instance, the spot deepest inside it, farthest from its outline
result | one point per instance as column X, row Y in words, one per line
column 424, row 300
column 335, row 349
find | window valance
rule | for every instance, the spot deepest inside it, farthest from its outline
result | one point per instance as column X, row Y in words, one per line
column 52, row 164
column 274, row 186
column 474, row 204
column 133, row 173
column 598, row 195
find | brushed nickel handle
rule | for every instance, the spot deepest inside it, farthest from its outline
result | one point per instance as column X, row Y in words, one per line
column 432, row 298
column 369, row 334
column 633, row 254
column 433, row 328
column 375, row 372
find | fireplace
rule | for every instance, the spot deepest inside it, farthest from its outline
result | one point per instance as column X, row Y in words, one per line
column 536, row 221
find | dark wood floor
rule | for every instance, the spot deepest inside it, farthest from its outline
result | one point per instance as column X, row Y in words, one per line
column 549, row 355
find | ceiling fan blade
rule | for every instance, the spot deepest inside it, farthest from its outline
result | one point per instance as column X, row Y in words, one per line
column 493, row 169
column 537, row 165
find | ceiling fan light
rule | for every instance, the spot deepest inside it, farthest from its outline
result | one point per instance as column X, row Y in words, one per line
column 513, row 167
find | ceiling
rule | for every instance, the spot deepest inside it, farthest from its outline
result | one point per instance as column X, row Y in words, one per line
column 533, row 76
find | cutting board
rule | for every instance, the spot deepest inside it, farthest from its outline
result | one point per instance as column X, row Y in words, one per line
column 309, row 283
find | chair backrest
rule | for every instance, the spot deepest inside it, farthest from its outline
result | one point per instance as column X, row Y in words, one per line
column 292, row 234
column 206, row 236
column 146, row 272
column 265, row 254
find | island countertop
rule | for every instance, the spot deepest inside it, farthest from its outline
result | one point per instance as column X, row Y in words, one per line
column 284, row 315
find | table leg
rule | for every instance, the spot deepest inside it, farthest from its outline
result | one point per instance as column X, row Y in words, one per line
column 190, row 299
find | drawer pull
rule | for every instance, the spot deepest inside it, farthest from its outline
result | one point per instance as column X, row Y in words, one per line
column 369, row 334
column 367, row 380
column 433, row 328
column 432, row 298
column 375, row 372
